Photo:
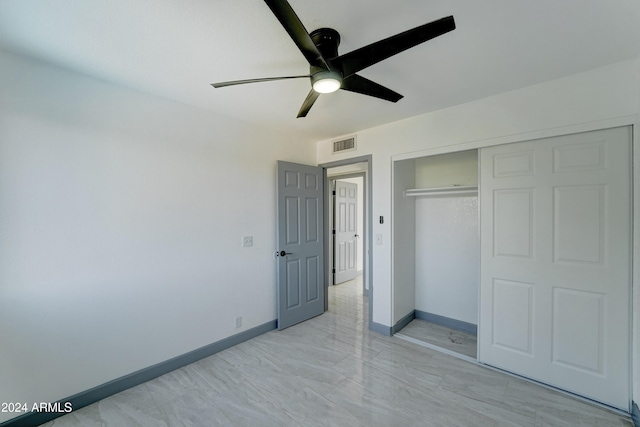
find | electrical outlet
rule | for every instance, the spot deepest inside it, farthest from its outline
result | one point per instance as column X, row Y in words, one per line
column 239, row 322
column 247, row 241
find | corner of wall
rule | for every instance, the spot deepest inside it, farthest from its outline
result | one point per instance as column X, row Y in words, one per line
column 387, row 331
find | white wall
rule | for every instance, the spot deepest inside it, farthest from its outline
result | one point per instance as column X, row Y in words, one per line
column 596, row 99
column 447, row 257
column 403, row 240
column 121, row 218
column 447, row 170
column 447, row 247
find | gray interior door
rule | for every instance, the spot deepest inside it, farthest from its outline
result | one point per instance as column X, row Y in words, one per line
column 300, row 239
column 345, row 242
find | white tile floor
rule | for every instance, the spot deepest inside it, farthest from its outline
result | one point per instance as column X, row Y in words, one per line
column 441, row 336
column 332, row 371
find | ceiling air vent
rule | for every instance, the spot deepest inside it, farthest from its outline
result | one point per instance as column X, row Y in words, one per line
column 348, row 144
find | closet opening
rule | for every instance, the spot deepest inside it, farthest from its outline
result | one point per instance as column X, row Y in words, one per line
column 436, row 251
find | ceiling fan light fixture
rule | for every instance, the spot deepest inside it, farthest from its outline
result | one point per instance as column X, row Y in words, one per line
column 330, row 71
column 326, row 81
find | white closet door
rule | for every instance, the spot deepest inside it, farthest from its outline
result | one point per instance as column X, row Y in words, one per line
column 346, row 236
column 555, row 262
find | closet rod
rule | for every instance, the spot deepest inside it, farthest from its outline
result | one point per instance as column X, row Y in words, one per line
column 442, row 191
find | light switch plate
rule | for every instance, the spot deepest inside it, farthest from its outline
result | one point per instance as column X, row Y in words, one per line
column 247, row 241
column 378, row 239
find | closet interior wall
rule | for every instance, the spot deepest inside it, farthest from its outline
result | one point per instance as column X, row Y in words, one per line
column 436, row 238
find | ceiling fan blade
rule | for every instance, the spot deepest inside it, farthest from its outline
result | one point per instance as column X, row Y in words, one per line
column 300, row 36
column 366, row 56
column 308, row 103
column 267, row 79
column 359, row 84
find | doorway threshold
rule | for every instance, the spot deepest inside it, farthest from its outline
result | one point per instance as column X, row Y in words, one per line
column 436, row 348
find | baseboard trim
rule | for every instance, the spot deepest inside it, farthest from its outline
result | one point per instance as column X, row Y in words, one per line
column 458, row 325
column 635, row 414
column 404, row 322
column 100, row 392
column 379, row 328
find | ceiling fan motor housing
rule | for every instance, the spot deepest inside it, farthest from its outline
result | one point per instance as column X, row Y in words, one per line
column 327, row 41
column 325, row 80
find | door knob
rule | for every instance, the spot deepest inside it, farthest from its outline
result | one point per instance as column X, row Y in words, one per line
column 283, row 253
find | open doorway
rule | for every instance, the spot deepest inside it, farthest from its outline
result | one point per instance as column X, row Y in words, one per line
column 346, row 227
column 348, row 251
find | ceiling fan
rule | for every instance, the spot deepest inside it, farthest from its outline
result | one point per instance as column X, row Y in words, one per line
column 330, row 71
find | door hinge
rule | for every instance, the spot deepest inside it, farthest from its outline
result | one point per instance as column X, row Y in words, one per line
column 333, row 231
column 333, row 271
column 333, row 193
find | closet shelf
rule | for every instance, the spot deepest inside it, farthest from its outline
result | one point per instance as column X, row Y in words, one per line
column 442, row 191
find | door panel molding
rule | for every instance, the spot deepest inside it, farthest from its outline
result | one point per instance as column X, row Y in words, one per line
column 570, row 240
column 346, row 229
column 300, row 227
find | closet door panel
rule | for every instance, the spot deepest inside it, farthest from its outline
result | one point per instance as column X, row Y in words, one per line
column 555, row 262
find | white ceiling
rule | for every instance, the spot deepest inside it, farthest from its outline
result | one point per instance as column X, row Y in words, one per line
column 176, row 48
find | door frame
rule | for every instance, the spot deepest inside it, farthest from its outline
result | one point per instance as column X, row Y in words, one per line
column 367, row 242
column 360, row 217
